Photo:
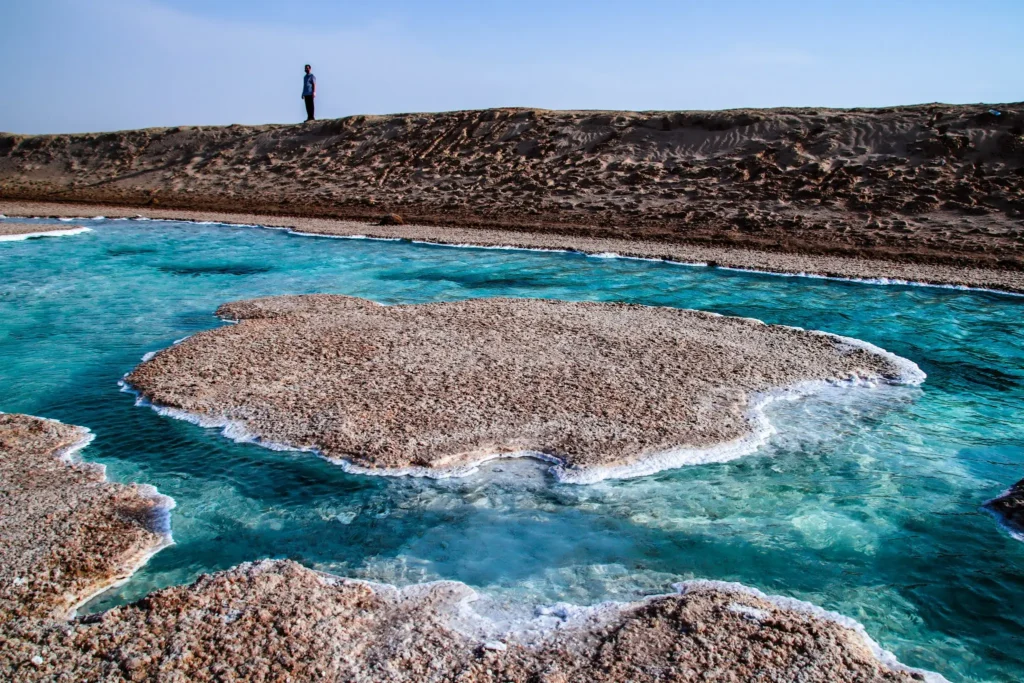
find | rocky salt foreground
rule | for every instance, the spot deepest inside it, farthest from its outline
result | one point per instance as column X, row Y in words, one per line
column 444, row 386
column 65, row 532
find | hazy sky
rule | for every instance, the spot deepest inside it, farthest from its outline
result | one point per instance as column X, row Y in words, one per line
column 89, row 65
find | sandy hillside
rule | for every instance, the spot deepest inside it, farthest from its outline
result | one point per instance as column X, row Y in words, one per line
column 935, row 183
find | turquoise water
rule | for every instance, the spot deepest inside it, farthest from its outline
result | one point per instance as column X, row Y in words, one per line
column 866, row 502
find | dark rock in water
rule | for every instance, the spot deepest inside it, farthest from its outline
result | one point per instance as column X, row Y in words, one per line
column 391, row 219
column 1010, row 506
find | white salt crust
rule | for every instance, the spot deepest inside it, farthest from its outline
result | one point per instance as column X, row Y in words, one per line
column 474, row 615
column 159, row 522
column 49, row 233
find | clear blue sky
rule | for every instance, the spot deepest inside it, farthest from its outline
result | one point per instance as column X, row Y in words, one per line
column 89, row 65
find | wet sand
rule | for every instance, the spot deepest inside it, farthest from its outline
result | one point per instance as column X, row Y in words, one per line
column 1007, row 280
column 605, row 388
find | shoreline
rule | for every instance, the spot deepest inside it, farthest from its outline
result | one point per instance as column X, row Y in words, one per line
column 11, row 231
column 844, row 268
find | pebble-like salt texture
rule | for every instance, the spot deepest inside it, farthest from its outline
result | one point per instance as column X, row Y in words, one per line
column 801, row 606
column 568, row 470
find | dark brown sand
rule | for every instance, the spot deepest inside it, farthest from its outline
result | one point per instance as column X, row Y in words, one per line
column 65, row 532
column 442, row 386
column 934, row 183
column 770, row 261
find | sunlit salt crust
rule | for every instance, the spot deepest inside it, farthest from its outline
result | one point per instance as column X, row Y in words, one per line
column 760, row 429
column 46, row 233
column 159, row 521
column 475, row 616
column 794, row 605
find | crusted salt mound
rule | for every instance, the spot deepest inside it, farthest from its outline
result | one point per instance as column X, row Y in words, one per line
column 65, row 532
column 280, row 621
column 441, row 387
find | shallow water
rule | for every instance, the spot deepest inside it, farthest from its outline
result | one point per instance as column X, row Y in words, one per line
column 865, row 502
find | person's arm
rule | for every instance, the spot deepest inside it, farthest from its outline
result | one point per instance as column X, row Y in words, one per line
column 314, row 86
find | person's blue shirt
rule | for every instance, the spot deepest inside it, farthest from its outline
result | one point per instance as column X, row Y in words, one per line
column 308, row 81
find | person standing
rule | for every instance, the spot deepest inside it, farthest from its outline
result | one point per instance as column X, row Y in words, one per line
column 309, row 91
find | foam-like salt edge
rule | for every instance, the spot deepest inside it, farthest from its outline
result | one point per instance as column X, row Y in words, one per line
column 475, row 616
column 47, row 233
column 159, row 521
column 760, row 429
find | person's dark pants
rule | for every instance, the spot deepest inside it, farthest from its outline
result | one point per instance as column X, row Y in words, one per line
column 309, row 107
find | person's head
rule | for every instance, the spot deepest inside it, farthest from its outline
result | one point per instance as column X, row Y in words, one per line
column 308, row 68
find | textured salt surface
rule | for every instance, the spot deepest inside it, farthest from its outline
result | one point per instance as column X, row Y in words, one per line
column 67, row 533
column 279, row 620
column 603, row 390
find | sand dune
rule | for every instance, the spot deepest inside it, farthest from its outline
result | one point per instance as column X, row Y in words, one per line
column 933, row 183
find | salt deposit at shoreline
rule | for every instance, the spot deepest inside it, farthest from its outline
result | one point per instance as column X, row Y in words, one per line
column 15, row 232
column 67, row 532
